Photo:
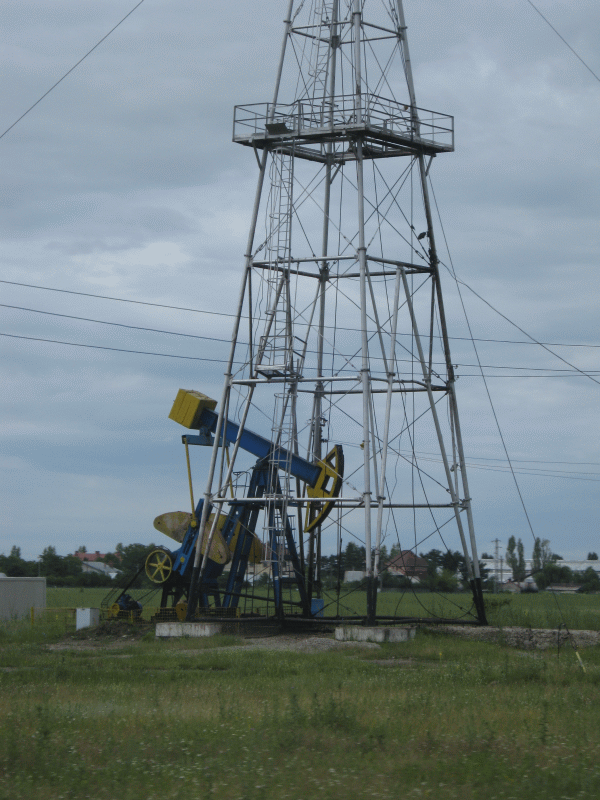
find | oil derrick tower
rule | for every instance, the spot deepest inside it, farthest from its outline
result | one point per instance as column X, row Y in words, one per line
column 340, row 344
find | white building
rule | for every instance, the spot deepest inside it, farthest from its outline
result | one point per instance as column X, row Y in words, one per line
column 19, row 595
column 499, row 569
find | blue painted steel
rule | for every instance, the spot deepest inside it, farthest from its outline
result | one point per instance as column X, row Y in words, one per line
column 260, row 447
column 127, row 603
column 245, row 515
column 183, row 560
column 262, row 481
column 317, row 604
column 185, row 555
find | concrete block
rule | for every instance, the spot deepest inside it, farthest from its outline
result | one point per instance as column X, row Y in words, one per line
column 86, row 618
column 359, row 633
column 172, row 630
column 400, row 634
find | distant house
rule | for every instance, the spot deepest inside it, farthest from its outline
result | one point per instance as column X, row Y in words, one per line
column 90, row 557
column 528, row 585
column 92, row 562
column 351, row 575
column 409, row 565
column 564, row 588
column 100, row 569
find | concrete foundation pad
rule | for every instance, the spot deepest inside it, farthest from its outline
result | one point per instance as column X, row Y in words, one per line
column 359, row 633
column 171, row 630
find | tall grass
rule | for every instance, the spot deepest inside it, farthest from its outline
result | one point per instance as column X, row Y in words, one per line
column 430, row 718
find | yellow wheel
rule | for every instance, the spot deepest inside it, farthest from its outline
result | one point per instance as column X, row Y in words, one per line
column 328, row 485
column 159, row 566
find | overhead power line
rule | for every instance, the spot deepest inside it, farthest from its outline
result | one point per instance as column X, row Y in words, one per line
column 238, row 363
column 24, row 114
column 562, row 38
column 114, row 349
column 518, row 327
column 524, row 460
column 531, row 341
column 114, row 324
column 227, row 341
column 118, row 299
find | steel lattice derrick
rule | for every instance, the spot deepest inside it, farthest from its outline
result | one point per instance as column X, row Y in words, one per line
column 347, row 337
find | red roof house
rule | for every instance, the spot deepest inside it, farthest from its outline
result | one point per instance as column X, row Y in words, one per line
column 408, row 564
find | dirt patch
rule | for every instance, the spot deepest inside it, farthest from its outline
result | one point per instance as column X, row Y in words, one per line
column 399, row 662
column 106, row 636
column 118, row 635
column 301, row 643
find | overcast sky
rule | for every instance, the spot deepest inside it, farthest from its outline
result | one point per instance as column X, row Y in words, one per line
column 124, row 182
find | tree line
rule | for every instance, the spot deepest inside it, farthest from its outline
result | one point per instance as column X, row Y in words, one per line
column 446, row 570
column 68, row 570
column 442, row 567
column 546, row 569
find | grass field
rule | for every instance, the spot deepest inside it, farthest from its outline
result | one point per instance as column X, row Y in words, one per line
column 141, row 719
column 542, row 610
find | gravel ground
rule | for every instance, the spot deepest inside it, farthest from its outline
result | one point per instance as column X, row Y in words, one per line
column 523, row 638
column 302, row 643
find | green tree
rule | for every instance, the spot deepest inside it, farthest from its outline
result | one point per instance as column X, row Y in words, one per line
column 49, row 561
column 329, row 571
column 354, row 557
column 536, row 556
column 391, row 581
column 511, row 555
column 515, row 558
column 590, row 581
column 395, row 551
column 592, row 557
column 130, row 559
column 63, row 570
column 520, row 576
column 552, row 574
column 442, row 569
column 546, row 554
column 446, row 581
column 14, row 566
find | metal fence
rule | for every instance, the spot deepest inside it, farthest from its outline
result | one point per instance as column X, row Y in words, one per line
column 61, row 618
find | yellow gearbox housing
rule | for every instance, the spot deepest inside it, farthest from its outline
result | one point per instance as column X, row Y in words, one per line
column 188, row 407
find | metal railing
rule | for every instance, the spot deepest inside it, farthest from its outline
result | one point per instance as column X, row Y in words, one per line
column 305, row 118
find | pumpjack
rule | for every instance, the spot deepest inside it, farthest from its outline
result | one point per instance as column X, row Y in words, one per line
column 234, row 540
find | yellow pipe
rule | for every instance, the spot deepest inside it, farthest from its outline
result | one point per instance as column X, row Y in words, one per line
column 194, row 521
